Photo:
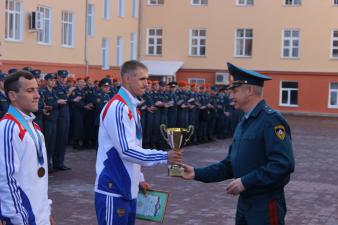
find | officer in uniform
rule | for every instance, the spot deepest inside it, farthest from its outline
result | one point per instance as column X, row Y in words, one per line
column 39, row 114
column 260, row 159
column 4, row 103
column 90, row 97
column 50, row 117
column 172, row 109
column 102, row 97
column 63, row 121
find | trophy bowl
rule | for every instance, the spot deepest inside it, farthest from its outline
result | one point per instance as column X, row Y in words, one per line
column 176, row 138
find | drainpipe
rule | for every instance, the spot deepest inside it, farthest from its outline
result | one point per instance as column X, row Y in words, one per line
column 139, row 30
column 86, row 39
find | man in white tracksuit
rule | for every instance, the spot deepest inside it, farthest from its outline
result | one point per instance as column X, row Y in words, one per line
column 120, row 153
column 23, row 165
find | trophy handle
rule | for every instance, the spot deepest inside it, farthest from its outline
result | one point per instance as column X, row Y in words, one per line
column 191, row 129
column 163, row 129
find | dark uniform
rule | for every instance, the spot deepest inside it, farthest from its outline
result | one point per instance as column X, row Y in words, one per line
column 50, row 100
column 4, row 103
column 39, row 114
column 62, row 124
column 261, row 156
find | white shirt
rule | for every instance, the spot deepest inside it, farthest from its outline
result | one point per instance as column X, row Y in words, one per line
column 23, row 194
column 120, row 154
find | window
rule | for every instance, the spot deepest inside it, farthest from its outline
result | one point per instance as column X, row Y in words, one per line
column 13, row 27
column 292, row 2
column 291, row 43
column 119, row 50
column 198, row 38
column 121, row 8
column 199, row 2
column 244, row 2
column 106, row 9
column 67, row 36
column 132, row 45
column 44, row 35
column 335, row 2
column 244, row 38
column 105, row 54
column 333, row 95
column 289, row 93
column 196, row 81
column 90, row 19
column 155, row 2
column 134, row 9
column 154, row 41
column 334, row 48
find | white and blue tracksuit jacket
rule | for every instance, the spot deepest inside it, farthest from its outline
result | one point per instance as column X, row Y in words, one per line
column 23, row 194
column 120, row 154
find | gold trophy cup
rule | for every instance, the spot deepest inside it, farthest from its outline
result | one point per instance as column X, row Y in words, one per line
column 176, row 138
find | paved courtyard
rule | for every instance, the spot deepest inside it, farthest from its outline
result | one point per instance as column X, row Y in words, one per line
column 312, row 194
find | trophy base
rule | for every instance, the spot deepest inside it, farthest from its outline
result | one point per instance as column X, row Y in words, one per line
column 175, row 171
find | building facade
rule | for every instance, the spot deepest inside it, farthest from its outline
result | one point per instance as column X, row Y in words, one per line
column 293, row 41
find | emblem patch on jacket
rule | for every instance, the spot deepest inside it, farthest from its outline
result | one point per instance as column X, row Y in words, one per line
column 121, row 212
column 280, row 132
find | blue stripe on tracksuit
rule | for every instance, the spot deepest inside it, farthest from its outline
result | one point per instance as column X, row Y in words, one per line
column 20, row 200
column 114, row 210
column 123, row 141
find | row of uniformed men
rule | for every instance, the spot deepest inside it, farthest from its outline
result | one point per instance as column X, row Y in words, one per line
column 208, row 110
column 65, row 111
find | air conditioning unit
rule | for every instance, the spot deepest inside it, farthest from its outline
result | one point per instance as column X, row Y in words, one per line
column 222, row 78
column 35, row 21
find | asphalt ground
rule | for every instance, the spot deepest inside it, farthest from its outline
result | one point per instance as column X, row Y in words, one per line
column 311, row 195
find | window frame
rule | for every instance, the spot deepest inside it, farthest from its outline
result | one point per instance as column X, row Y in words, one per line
column 106, row 9
column 157, row 2
column 119, row 50
column 329, row 97
column 244, row 39
column 133, row 46
column 292, row 3
column 105, row 54
column 196, row 80
column 198, row 46
column 281, row 89
column 291, row 46
column 43, row 31
column 245, row 4
column 91, row 20
column 17, row 32
column 155, row 45
column 200, row 3
column 71, row 24
column 331, row 46
column 121, row 9
column 134, row 11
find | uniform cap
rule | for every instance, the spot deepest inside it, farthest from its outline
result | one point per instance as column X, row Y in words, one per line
column 27, row 68
column 214, row 88
column 12, row 70
column 62, row 73
column 50, row 76
column 172, row 84
column 105, row 82
column 36, row 73
column 244, row 76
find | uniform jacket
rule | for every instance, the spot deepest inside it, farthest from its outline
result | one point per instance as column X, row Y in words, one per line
column 23, row 195
column 120, row 155
column 261, row 154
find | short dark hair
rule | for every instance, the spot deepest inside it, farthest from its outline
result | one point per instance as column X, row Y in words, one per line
column 12, row 81
column 131, row 66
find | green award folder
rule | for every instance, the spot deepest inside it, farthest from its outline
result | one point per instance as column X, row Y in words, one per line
column 152, row 206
